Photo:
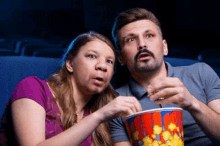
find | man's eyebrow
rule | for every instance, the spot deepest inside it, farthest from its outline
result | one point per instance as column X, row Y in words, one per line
column 133, row 34
column 130, row 34
column 148, row 30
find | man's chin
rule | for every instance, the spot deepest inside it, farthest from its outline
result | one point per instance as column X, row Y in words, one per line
column 146, row 68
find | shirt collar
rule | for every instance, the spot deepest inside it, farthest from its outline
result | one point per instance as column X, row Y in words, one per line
column 170, row 69
column 138, row 91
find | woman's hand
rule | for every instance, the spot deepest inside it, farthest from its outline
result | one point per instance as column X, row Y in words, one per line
column 122, row 105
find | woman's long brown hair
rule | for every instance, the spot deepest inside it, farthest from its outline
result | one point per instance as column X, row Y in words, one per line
column 61, row 85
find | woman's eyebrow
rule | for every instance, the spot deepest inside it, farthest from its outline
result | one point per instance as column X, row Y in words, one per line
column 91, row 50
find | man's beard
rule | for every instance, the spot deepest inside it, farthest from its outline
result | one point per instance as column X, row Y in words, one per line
column 144, row 66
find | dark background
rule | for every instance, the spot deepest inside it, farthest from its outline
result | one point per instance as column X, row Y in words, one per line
column 189, row 25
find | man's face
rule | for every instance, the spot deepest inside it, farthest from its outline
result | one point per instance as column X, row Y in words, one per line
column 142, row 46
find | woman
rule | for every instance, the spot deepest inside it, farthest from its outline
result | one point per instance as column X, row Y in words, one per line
column 73, row 106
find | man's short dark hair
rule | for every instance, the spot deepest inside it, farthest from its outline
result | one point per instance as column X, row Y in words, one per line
column 129, row 16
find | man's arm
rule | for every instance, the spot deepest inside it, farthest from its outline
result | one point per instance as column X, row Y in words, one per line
column 118, row 132
column 173, row 90
column 208, row 117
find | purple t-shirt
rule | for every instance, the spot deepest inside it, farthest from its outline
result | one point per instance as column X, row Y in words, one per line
column 36, row 89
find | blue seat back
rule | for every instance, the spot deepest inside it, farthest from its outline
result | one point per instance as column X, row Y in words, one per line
column 180, row 61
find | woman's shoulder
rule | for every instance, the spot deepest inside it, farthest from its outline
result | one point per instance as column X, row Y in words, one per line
column 33, row 88
column 32, row 80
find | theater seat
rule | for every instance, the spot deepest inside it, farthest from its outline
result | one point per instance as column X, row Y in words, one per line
column 14, row 68
column 212, row 58
column 180, row 61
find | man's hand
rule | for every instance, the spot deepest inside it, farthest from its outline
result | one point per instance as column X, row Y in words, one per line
column 169, row 90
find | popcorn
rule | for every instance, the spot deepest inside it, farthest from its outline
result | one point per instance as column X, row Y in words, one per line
column 156, row 128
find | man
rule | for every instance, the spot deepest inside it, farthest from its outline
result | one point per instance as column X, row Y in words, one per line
column 195, row 88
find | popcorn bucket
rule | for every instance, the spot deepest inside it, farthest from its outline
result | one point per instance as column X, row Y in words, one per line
column 156, row 127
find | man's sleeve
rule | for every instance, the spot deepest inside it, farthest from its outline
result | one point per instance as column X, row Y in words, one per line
column 118, row 131
column 211, row 81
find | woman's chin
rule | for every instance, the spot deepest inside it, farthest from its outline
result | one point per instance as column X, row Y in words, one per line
column 98, row 90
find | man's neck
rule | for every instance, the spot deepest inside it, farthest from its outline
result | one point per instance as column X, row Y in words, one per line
column 146, row 78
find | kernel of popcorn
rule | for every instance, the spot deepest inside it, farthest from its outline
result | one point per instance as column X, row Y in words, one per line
column 171, row 126
column 147, row 144
column 175, row 136
column 157, row 129
column 147, row 140
column 169, row 143
column 154, row 136
column 180, row 143
column 176, row 141
column 166, row 135
column 171, row 137
column 178, row 129
column 156, row 143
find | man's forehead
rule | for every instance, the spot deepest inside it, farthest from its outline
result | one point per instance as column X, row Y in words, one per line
column 140, row 26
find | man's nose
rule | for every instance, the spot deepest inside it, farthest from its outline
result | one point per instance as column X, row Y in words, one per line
column 141, row 43
column 101, row 65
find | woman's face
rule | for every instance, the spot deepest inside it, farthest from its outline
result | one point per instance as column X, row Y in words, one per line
column 93, row 67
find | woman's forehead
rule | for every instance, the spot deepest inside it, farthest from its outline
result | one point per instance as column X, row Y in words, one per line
column 97, row 46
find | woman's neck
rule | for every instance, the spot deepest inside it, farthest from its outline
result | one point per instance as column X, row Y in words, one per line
column 80, row 98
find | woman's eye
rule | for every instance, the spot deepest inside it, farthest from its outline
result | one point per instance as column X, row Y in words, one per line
column 110, row 61
column 131, row 39
column 92, row 56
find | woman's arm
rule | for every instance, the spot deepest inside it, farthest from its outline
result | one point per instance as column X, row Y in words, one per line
column 123, row 143
column 29, row 122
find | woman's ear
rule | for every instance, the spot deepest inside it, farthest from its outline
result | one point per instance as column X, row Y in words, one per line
column 120, row 57
column 69, row 66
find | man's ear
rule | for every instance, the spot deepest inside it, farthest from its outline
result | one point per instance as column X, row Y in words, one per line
column 120, row 57
column 165, row 48
column 69, row 65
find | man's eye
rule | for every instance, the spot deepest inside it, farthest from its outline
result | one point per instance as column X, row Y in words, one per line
column 92, row 56
column 149, row 35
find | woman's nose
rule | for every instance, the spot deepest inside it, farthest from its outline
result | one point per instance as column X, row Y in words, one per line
column 101, row 66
